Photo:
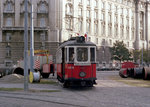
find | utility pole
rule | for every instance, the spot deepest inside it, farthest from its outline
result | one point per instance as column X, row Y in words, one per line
column 31, row 41
column 26, row 47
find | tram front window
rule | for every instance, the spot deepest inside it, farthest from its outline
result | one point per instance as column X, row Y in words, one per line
column 82, row 54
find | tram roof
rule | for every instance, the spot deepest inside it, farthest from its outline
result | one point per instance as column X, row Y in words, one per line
column 75, row 43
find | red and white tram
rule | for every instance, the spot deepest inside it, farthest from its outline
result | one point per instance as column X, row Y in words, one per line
column 76, row 62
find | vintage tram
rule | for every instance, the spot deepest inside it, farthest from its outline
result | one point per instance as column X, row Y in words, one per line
column 76, row 62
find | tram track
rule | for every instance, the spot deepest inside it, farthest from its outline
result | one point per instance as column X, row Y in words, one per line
column 28, row 97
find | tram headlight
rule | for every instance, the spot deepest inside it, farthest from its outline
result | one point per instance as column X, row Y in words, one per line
column 82, row 74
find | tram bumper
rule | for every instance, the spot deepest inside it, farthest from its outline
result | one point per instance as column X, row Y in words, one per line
column 81, row 82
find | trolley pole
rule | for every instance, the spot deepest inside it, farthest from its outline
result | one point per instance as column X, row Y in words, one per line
column 26, row 47
column 31, row 41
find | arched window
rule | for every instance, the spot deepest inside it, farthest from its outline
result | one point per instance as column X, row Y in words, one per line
column 69, row 9
column 42, row 22
column 42, row 7
column 8, row 6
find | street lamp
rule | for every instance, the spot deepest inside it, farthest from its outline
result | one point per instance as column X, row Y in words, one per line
column 26, row 47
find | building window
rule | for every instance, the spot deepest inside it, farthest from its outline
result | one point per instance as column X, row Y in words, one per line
column 9, row 22
column 116, row 9
column 141, row 34
column 69, row 23
column 122, row 32
column 96, row 40
column 132, row 14
column 103, row 5
column 80, row 25
column 127, row 33
column 141, row 19
column 88, row 13
column 116, row 19
column 127, row 13
column 89, row 38
column 122, row 20
column 103, row 42
column 9, row 6
column 42, row 37
column 128, row 44
column 109, row 18
column 133, row 23
column 96, row 15
column 80, row 12
column 103, row 29
column 133, row 34
column 96, row 28
column 8, row 37
column 109, row 7
column 95, row 3
column 102, row 16
column 121, row 1
column 80, row 1
column 69, row 9
column 116, row 31
column 88, row 2
column 42, row 22
column 127, row 22
column 8, row 51
column 122, row 11
column 110, row 41
column 109, row 31
column 88, row 27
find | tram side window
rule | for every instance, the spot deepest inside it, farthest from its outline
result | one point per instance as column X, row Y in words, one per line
column 92, row 52
column 71, row 54
column 82, row 54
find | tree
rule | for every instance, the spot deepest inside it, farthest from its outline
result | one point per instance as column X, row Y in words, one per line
column 120, row 52
column 137, row 55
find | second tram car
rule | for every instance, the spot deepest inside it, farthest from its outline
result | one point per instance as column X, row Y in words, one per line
column 76, row 62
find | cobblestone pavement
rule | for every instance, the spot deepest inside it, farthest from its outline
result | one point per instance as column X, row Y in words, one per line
column 107, row 93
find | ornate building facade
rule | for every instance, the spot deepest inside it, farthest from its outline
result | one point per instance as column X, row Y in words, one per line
column 104, row 22
column 12, row 28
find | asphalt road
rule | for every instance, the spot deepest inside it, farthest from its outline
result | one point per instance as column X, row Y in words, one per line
column 107, row 93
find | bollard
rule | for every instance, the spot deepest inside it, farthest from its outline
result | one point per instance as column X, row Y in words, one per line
column 34, row 77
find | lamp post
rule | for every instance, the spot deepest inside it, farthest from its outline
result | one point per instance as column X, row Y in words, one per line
column 26, row 47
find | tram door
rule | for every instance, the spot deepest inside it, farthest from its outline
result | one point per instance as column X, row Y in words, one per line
column 63, row 62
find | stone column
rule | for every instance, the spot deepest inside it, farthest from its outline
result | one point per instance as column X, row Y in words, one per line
column 146, row 23
column 137, row 24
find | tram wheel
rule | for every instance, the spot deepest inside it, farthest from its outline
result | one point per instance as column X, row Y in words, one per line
column 66, row 84
column 44, row 75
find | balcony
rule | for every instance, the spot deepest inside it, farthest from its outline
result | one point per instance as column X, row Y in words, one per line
column 22, row 28
column 8, row 12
